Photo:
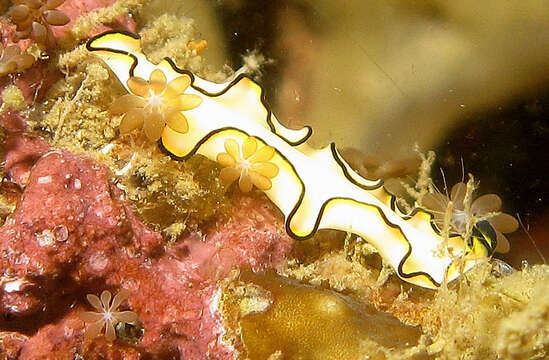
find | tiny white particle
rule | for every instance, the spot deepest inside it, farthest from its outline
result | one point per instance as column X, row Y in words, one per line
column 14, row 285
column 44, row 179
column 77, row 184
column 107, row 148
column 127, row 167
column 46, row 238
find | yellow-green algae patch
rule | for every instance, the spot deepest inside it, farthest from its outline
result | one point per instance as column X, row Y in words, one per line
column 74, row 115
column 281, row 318
column 172, row 195
column 176, row 34
column 490, row 316
column 8, row 194
column 12, row 98
column 7, row 206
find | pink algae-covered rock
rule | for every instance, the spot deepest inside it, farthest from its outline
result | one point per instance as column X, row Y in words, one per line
column 22, row 151
column 75, row 8
column 63, row 340
column 70, row 224
column 12, row 121
column 66, row 209
column 253, row 235
column 182, row 285
column 73, row 233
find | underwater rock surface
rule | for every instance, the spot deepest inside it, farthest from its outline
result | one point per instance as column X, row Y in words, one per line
column 73, row 233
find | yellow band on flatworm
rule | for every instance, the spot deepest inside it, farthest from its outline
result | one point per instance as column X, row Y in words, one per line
column 314, row 189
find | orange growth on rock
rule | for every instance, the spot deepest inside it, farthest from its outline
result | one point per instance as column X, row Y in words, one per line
column 197, row 46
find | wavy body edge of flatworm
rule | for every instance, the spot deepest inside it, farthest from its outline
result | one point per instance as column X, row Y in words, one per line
column 314, row 189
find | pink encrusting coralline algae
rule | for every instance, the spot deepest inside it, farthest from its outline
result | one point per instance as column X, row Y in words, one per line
column 73, row 233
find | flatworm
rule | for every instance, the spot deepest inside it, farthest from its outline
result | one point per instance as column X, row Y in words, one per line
column 314, row 189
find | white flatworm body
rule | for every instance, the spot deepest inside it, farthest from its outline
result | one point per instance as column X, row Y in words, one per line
column 314, row 189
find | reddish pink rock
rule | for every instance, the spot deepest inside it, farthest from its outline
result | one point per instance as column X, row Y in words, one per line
column 33, row 82
column 64, row 340
column 70, row 224
column 22, row 151
column 74, row 8
column 69, row 208
column 12, row 121
column 45, row 344
column 73, row 234
column 254, row 235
